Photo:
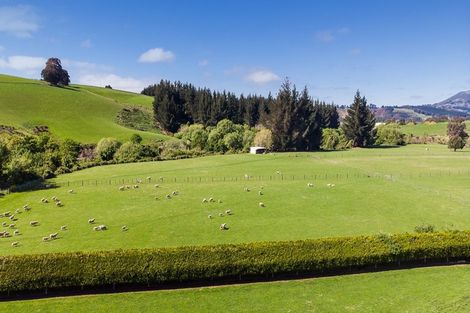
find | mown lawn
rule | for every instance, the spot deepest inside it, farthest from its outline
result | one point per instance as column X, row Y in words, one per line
column 376, row 190
column 430, row 290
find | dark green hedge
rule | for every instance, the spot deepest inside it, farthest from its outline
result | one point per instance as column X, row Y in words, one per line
column 154, row 266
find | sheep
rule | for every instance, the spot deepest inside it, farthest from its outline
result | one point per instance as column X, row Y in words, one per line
column 12, row 218
column 220, row 201
column 54, row 198
column 228, row 212
column 16, row 232
column 168, row 196
column 261, row 205
column 261, row 187
column 128, row 187
column 278, row 172
column 209, row 216
column 6, row 234
column 246, row 189
column 211, row 200
column 15, row 244
column 223, row 226
column 26, row 207
column 34, row 223
column 204, row 200
column 310, row 185
column 7, row 214
column 102, row 227
column 136, row 186
column 45, row 238
column 121, row 188
column 53, row 236
column 149, row 178
column 71, row 191
column 91, row 221
column 175, row 193
column 1, row 215
column 4, row 224
column 11, row 226
column 221, row 214
column 260, row 193
column 63, row 227
column 156, row 186
column 139, row 181
column 330, row 185
column 59, row 204
column 160, row 178
column 247, row 176
column 124, row 228
column 44, row 200
column 96, row 228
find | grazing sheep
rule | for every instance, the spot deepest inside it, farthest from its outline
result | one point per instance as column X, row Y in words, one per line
column 261, row 205
column 122, row 188
column 53, row 236
column 59, row 204
column 204, row 200
column 156, row 185
column 209, row 216
column 34, row 223
column 246, row 189
column 310, row 185
column 168, row 196
column 100, row 227
column 15, row 244
column 12, row 218
column 427, row 149
column 6, row 234
column 228, row 212
column 7, row 214
column 27, row 209
column 330, row 185
column 223, row 226
column 278, row 172
column 54, row 198
column 11, row 226
column 91, row 221
column 4, row 224
column 96, row 228
column 211, row 200
column 136, row 186
column 45, row 238
column 247, row 176
column 124, row 228
column 260, row 193
column 160, row 178
column 149, row 178
column 128, row 187
column 139, row 181
column 16, row 232
column 63, row 227
column 44, row 200
column 71, row 191
column 175, row 193
column 221, row 214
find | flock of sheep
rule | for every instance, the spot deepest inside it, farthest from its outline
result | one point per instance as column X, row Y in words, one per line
column 26, row 208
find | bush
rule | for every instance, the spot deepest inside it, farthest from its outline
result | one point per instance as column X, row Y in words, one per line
column 106, row 148
column 194, row 136
column 186, row 264
column 425, row 228
column 264, row 138
column 128, row 152
column 390, row 134
column 334, row 139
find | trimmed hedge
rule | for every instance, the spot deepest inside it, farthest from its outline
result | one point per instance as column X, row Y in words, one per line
column 205, row 263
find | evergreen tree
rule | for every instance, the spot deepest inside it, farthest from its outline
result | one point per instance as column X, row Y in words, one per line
column 457, row 134
column 358, row 125
column 54, row 74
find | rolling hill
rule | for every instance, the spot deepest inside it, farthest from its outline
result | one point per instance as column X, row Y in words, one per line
column 82, row 113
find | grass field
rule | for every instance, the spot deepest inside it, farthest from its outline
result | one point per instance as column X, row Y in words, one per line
column 427, row 129
column 82, row 113
column 389, row 190
column 431, row 290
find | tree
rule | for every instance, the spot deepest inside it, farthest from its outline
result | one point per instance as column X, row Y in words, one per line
column 457, row 134
column 136, row 138
column 106, row 148
column 54, row 74
column 359, row 123
column 334, row 139
column 390, row 134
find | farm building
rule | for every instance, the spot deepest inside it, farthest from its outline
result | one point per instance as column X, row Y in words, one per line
column 257, row 150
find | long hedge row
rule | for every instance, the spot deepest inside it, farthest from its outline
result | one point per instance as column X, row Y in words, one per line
column 206, row 263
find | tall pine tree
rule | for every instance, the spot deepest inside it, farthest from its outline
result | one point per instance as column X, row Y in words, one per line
column 358, row 125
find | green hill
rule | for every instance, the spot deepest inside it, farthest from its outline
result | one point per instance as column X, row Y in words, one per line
column 83, row 113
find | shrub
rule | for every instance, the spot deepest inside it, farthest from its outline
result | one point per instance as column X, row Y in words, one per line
column 185, row 264
column 128, row 152
column 173, row 148
column 425, row 228
column 194, row 136
column 334, row 139
column 390, row 134
column 106, row 148
column 136, row 138
column 264, row 138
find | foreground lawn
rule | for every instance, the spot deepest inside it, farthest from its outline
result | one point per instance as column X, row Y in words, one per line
column 83, row 113
column 444, row 289
column 376, row 190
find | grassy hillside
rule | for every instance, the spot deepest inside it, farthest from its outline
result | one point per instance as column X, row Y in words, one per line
column 427, row 129
column 83, row 113
column 432, row 290
column 390, row 190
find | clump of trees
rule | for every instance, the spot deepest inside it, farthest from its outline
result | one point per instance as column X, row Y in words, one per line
column 359, row 123
column 294, row 118
column 390, row 134
column 457, row 134
column 334, row 139
column 54, row 74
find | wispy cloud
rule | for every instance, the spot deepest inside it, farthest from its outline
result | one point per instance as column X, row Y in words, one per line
column 86, row 44
column 22, row 63
column 156, row 55
column 117, row 82
column 203, row 63
column 20, row 21
column 329, row 35
column 262, row 77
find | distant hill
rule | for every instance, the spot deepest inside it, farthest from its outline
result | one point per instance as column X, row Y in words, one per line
column 457, row 105
column 82, row 113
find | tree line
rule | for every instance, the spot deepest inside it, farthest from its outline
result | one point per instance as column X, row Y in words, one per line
column 295, row 119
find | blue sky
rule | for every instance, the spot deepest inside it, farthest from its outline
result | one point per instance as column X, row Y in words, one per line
column 395, row 52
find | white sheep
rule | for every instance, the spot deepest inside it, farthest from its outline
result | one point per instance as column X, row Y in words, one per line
column 149, row 178
column 209, row 216
column 260, row 193
column 34, row 223
column 4, row 224
column 71, row 191
column 221, row 214
column 168, row 196
column 136, row 186
column 45, row 238
column 139, row 181
column 16, row 232
column 54, row 198
column 175, row 193
column 204, row 200
column 211, row 199
column 156, row 185
column 261, row 205
column 17, row 211
column 246, row 189
column 15, row 244
column 63, row 227
column 124, row 228
column 223, row 226
column 220, row 201
column 91, row 221
column 59, row 204
column 228, row 212
column 310, row 185
column 53, row 236
column 121, row 188
column 11, row 226
column 103, row 227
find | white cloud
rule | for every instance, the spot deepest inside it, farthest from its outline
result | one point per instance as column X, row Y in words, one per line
column 86, row 44
column 262, row 77
column 117, row 82
column 156, row 55
column 22, row 63
column 20, row 21
column 203, row 63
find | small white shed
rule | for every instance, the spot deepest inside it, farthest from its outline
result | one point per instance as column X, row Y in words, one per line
column 257, row 150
